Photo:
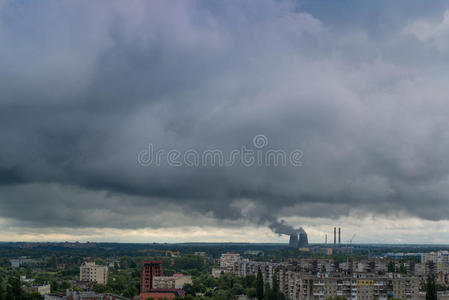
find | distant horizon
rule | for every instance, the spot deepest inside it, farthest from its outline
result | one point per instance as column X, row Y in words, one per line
column 218, row 243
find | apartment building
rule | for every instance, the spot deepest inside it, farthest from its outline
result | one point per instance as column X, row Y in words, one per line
column 227, row 260
column 294, row 285
column 89, row 271
column 246, row 267
column 357, row 286
column 149, row 270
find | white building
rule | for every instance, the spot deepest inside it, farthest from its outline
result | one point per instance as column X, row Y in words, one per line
column 228, row 260
column 54, row 297
column 216, row 272
column 18, row 262
column 89, row 271
column 177, row 281
column 245, row 267
column 41, row 289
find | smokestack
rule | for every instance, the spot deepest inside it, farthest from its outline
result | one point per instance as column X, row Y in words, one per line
column 325, row 239
column 339, row 237
column 335, row 236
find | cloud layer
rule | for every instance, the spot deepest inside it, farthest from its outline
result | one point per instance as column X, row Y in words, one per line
column 86, row 86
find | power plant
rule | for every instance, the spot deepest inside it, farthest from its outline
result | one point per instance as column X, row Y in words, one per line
column 293, row 240
column 335, row 238
column 339, row 237
column 298, row 239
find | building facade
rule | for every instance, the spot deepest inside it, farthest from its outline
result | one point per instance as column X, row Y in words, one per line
column 89, row 271
column 43, row 289
column 246, row 267
column 296, row 285
column 177, row 281
column 227, row 260
column 149, row 270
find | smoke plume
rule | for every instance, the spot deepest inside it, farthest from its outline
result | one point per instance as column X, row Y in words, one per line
column 283, row 228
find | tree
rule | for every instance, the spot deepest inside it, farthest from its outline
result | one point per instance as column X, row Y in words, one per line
column 250, row 292
column 54, row 286
column 259, row 285
column 402, row 269
column 189, row 289
column 14, row 289
column 188, row 262
column 64, row 285
column 237, row 289
column 53, row 261
column 431, row 290
column 125, row 262
column 390, row 267
column 2, row 291
column 249, row 281
column 4, row 262
column 223, row 295
column 33, row 296
column 268, row 293
column 275, row 289
column 131, row 291
column 99, row 288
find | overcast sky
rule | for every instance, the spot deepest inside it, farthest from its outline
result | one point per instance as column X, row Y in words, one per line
column 358, row 88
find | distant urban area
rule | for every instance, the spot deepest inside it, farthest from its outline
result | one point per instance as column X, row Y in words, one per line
column 298, row 270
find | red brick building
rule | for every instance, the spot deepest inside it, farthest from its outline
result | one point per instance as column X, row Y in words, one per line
column 149, row 270
column 162, row 294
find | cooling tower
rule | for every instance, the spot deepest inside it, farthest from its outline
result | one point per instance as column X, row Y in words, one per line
column 293, row 240
column 303, row 240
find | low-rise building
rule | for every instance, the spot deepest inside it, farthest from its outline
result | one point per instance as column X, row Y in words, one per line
column 200, row 253
column 177, row 281
column 76, row 295
column 162, row 294
column 18, row 262
column 55, row 297
column 216, row 272
column 43, row 289
column 254, row 252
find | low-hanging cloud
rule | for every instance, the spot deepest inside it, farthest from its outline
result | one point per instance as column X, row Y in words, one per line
column 85, row 87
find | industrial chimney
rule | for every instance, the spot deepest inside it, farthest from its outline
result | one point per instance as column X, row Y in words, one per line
column 339, row 237
column 335, row 236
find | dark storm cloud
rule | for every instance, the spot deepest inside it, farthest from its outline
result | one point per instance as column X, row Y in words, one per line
column 85, row 87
